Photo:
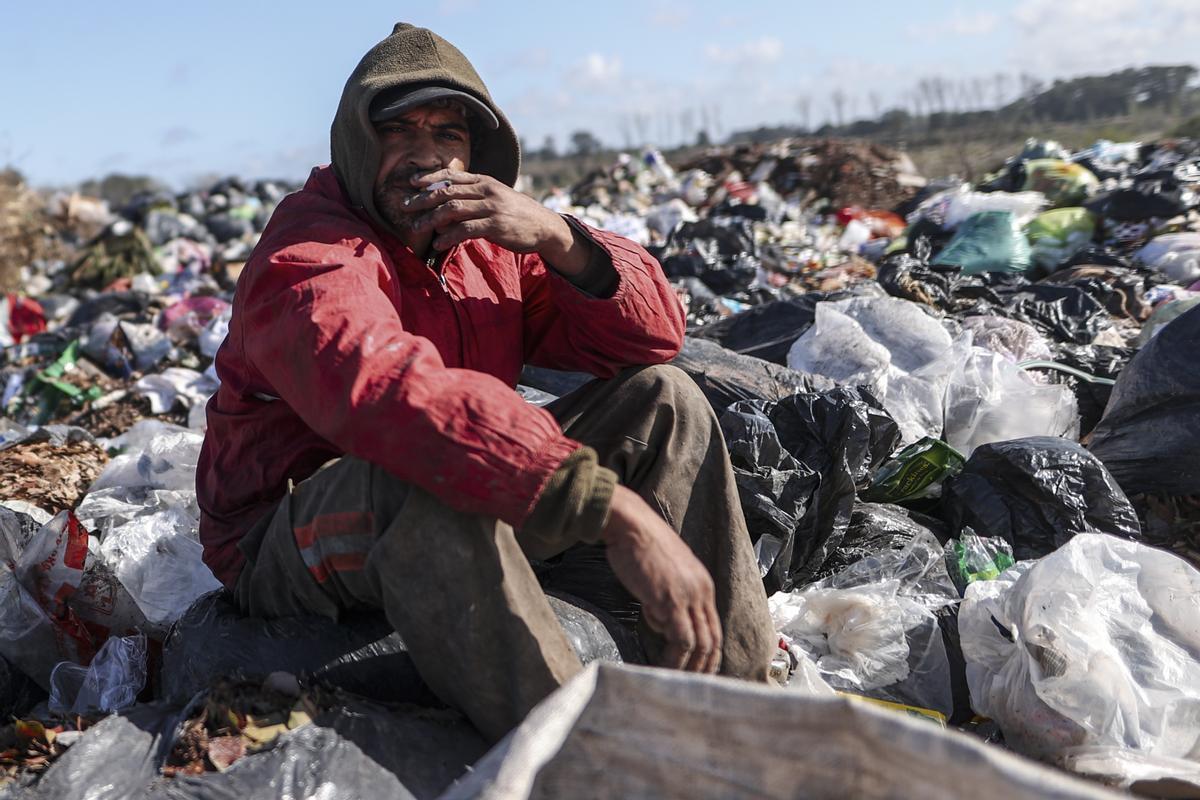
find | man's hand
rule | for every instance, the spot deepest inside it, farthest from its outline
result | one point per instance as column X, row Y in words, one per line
column 675, row 590
column 481, row 207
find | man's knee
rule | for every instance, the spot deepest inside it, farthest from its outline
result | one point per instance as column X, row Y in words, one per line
column 663, row 383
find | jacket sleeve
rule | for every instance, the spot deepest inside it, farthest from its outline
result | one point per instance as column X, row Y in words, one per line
column 565, row 328
column 326, row 339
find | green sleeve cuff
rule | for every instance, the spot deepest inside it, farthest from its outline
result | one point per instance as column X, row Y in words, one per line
column 572, row 508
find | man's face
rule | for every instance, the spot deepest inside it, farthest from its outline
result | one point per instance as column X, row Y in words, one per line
column 417, row 142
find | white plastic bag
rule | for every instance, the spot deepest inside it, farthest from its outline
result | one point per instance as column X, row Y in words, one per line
column 991, row 399
column 1095, row 646
column 951, row 207
column 109, row 684
column 887, row 344
column 144, row 507
column 155, row 455
column 871, row 629
column 1175, row 255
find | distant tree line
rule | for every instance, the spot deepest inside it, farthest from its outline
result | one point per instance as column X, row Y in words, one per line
column 941, row 105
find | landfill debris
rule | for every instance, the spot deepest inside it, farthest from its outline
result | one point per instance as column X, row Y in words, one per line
column 111, row 682
column 1068, row 654
column 1036, row 494
column 50, row 468
column 871, row 629
column 960, row 377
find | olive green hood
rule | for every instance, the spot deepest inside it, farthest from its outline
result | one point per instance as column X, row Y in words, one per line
column 417, row 57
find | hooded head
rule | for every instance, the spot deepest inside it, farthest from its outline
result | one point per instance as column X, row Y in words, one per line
column 413, row 58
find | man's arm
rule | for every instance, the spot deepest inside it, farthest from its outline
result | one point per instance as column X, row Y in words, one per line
column 326, row 339
column 638, row 321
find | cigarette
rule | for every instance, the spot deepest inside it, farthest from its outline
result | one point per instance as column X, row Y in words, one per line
column 433, row 187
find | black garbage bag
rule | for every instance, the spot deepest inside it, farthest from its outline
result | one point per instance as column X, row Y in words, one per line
column 1142, row 201
column 798, row 463
column 553, row 381
column 1122, row 292
column 360, row 653
column 1098, row 361
column 875, row 528
column 124, row 305
column 726, row 377
column 1148, row 435
column 1099, row 256
column 946, row 287
column 1065, row 313
column 1036, row 493
column 775, row 490
column 767, row 331
column 18, row 693
column 719, row 250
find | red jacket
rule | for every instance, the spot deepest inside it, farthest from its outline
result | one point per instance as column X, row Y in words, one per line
column 344, row 342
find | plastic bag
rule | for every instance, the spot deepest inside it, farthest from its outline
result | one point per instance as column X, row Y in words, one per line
column 1063, row 183
column 109, row 684
column 765, row 331
column 360, row 653
column 951, row 208
column 1088, row 647
column 971, row 558
column 1036, row 494
column 57, row 600
column 155, row 455
column 871, row 628
column 1165, row 313
column 877, row 528
column 797, row 463
column 1147, row 435
column 1175, row 255
column 916, row 471
column 726, row 377
column 1057, row 235
column 1066, row 313
column 989, row 241
column 1015, row 340
column 990, row 399
column 702, row 737
column 889, row 345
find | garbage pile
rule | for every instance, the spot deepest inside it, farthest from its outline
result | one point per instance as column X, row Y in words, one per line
column 959, row 416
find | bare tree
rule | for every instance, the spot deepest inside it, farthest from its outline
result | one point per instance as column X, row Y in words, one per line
column 876, row 102
column 804, row 107
column 1000, row 84
column 837, row 100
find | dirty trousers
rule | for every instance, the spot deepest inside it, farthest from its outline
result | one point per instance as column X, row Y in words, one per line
column 459, row 588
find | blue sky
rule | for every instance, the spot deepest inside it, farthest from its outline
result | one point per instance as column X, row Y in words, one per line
column 183, row 90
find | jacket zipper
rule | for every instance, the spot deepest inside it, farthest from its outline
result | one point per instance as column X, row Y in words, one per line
column 438, row 264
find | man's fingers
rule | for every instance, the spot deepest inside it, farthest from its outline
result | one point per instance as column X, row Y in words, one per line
column 702, row 652
column 432, row 199
column 460, row 232
column 717, row 636
column 450, row 212
column 452, row 175
column 681, row 640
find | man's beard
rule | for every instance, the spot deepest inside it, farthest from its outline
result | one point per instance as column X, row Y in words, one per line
column 390, row 197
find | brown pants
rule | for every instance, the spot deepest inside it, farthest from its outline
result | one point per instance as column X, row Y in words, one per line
column 458, row 587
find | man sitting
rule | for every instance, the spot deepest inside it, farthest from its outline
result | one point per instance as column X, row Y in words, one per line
column 366, row 447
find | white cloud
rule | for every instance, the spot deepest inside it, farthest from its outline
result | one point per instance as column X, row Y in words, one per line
column 1062, row 37
column 764, row 50
column 596, row 72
